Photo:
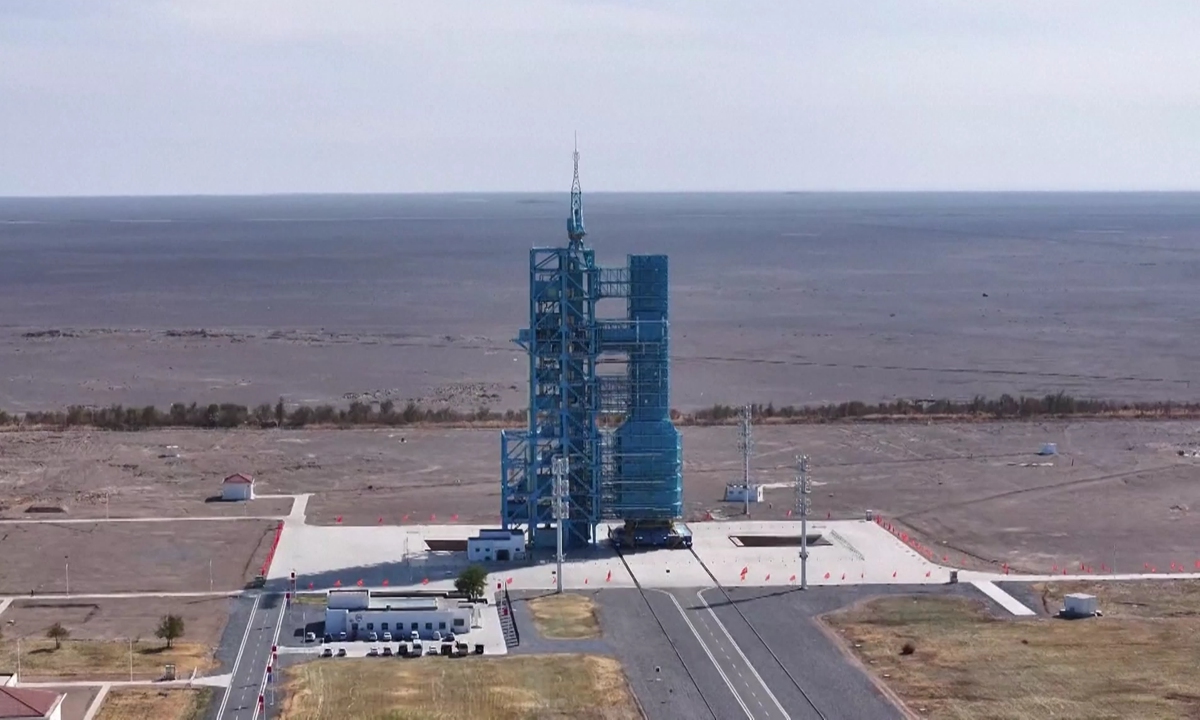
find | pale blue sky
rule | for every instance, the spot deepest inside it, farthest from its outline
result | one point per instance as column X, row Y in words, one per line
column 266, row 96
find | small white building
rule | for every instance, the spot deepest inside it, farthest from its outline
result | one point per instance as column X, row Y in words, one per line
column 358, row 613
column 496, row 545
column 237, row 487
column 30, row 704
column 736, row 492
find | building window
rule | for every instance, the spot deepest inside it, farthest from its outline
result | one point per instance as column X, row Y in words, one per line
column 428, row 626
column 441, row 626
column 370, row 626
column 415, row 626
column 458, row 622
column 383, row 626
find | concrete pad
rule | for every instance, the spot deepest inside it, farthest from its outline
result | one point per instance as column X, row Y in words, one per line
column 667, row 569
column 860, row 552
column 325, row 555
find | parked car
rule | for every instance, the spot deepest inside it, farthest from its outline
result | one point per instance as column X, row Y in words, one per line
column 387, row 650
column 387, row 636
column 437, row 635
column 373, row 652
column 310, row 637
column 341, row 652
column 342, row 636
column 432, row 650
column 373, row 637
column 328, row 638
column 450, row 636
column 327, row 652
column 415, row 636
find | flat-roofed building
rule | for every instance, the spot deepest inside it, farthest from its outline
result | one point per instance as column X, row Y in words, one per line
column 358, row 613
column 496, row 545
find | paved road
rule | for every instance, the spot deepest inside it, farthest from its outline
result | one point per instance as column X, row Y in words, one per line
column 254, row 653
column 754, row 695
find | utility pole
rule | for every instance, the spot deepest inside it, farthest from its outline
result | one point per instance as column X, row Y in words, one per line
column 210, row 575
column 130, row 659
column 803, row 505
column 67, row 572
column 18, row 659
column 746, row 445
column 562, row 509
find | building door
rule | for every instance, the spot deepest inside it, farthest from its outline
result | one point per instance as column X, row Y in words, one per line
column 353, row 631
column 502, row 555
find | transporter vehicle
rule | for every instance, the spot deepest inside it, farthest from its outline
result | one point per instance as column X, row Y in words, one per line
column 650, row 534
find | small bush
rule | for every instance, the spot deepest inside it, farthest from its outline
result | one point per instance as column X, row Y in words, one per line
column 908, row 649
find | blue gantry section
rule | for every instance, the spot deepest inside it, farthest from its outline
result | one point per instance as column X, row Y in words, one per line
column 599, row 394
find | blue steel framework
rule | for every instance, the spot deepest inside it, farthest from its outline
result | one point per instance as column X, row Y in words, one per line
column 615, row 428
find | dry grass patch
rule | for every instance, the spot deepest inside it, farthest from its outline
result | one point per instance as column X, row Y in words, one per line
column 103, row 659
column 139, row 704
column 580, row 687
column 966, row 664
column 1142, row 599
column 565, row 617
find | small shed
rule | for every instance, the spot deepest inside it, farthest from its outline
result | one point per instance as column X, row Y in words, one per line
column 496, row 545
column 237, row 487
column 1079, row 605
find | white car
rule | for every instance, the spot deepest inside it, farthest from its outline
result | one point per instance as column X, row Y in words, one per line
column 373, row 652
column 387, row 637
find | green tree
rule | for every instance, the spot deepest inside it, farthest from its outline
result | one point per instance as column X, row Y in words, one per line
column 58, row 633
column 170, row 628
column 471, row 581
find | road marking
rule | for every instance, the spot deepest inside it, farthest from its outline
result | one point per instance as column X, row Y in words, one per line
column 711, row 657
column 700, row 595
column 262, row 688
column 238, row 659
column 1003, row 599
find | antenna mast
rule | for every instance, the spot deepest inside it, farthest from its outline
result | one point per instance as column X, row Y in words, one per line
column 575, row 231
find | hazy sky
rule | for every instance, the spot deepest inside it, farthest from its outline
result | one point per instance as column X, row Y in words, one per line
column 265, row 96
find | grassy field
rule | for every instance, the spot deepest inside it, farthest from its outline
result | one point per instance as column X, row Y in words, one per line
column 139, row 703
column 103, row 659
column 565, row 617
column 946, row 658
column 580, row 687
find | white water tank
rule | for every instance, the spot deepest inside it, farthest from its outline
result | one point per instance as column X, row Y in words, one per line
column 1079, row 605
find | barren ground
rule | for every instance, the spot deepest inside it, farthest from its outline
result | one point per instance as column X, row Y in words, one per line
column 132, row 557
column 962, row 663
column 1118, row 494
column 139, row 703
column 204, row 618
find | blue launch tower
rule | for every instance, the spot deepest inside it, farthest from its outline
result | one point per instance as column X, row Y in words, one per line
column 599, row 395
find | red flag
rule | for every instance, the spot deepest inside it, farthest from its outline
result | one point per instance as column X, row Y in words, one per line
column 745, row 569
column 337, row 583
column 789, row 513
column 608, row 577
column 843, row 576
column 381, row 521
column 927, row 573
column 310, row 586
column 454, row 517
column 359, row 583
column 767, row 578
column 405, row 518
column 893, row 573
column 585, row 581
column 432, row 517
column 425, row 581
column 385, row 582
column 792, row 579
column 508, row 581
column 339, row 518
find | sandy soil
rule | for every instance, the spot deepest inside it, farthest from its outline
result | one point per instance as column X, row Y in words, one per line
column 1118, row 494
column 204, row 618
column 132, row 557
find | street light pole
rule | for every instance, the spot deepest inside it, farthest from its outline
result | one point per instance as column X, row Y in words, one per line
column 130, row 659
column 746, row 445
column 803, row 504
column 67, row 572
column 210, row 575
column 562, row 511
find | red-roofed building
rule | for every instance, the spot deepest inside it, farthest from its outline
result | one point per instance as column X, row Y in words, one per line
column 237, row 487
column 27, row 704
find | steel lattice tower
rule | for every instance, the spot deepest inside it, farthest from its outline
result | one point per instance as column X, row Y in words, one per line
column 614, row 429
